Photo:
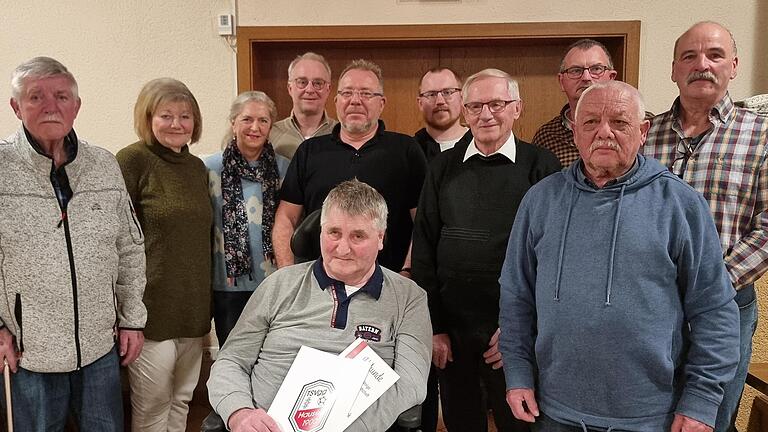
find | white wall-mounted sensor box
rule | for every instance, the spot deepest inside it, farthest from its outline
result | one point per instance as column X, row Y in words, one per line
column 226, row 25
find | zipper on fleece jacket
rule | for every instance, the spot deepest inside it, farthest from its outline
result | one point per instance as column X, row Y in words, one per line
column 70, row 253
column 17, row 312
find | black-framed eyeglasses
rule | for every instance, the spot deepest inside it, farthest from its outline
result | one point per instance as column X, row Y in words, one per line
column 362, row 94
column 317, row 84
column 494, row 106
column 446, row 93
column 595, row 71
column 684, row 151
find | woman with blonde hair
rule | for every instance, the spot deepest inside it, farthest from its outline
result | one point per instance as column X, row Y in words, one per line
column 244, row 184
column 168, row 188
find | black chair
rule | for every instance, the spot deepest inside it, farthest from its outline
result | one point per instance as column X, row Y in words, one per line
column 305, row 241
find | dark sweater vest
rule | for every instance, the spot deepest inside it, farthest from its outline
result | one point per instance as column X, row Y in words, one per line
column 469, row 207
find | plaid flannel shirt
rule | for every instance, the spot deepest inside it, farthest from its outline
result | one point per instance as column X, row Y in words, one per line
column 728, row 166
column 556, row 136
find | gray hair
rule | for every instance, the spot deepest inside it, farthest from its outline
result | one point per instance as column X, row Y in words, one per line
column 240, row 102
column 356, row 198
column 365, row 65
column 618, row 86
column 512, row 87
column 37, row 68
column 733, row 40
column 309, row 56
column 583, row 45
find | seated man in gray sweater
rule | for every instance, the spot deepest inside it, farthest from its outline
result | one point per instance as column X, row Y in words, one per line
column 326, row 304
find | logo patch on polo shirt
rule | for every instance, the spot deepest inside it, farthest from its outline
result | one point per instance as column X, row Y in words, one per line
column 368, row 332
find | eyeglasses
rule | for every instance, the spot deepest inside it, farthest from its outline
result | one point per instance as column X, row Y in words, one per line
column 317, row 84
column 494, row 106
column 362, row 94
column 684, row 150
column 446, row 93
column 595, row 71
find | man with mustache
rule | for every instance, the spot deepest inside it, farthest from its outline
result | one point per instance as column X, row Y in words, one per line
column 720, row 150
column 586, row 62
column 440, row 105
column 72, row 257
column 309, row 84
column 469, row 201
column 616, row 308
column 359, row 147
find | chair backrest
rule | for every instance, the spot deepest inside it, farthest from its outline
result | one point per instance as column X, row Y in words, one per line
column 305, row 242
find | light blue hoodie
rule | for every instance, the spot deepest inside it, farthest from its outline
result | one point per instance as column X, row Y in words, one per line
column 615, row 303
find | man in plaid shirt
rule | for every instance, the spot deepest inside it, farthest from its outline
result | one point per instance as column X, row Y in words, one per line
column 586, row 62
column 720, row 150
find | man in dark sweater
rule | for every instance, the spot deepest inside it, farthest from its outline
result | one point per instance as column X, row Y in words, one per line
column 440, row 105
column 466, row 210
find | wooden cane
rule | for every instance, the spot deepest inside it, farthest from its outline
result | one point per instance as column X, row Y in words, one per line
column 8, row 405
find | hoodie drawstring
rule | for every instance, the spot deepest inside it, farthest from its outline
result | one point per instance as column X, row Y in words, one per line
column 562, row 245
column 584, row 427
column 613, row 247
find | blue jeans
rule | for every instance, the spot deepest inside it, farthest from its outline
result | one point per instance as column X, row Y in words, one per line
column 726, row 415
column 42, row 401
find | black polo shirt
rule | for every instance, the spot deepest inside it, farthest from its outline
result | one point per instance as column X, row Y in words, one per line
column 390, row 162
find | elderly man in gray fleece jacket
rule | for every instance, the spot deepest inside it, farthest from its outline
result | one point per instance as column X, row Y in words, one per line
column 326, row 304
column 71, row 260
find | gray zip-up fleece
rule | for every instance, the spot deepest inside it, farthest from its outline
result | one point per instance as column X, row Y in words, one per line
column 68, row 280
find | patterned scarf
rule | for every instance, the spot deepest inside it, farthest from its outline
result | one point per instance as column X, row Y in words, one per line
column 237, row 251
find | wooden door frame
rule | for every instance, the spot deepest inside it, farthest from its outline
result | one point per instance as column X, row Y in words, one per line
column 627, row 31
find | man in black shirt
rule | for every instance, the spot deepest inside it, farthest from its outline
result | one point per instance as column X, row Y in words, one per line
column 358, row 147
column 466, row 210
column 440, row 104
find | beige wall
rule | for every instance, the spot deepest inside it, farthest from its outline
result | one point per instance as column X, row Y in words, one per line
column 115, row 47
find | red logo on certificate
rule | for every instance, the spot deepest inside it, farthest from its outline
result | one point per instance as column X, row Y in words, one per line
column 312, row 407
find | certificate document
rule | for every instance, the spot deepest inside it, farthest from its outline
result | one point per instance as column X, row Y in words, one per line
column 327, row 392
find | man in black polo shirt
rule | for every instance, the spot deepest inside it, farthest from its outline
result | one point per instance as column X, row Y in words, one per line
column 358, row 147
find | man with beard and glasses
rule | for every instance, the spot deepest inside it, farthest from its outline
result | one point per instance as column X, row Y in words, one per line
column 440, row 104
column 359, row 147
column 616, row 308
column 720, row 150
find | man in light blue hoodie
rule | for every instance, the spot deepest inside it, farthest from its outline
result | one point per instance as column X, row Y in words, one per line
column 616, row 309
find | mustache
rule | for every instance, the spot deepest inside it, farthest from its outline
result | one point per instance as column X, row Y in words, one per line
column 603, row 144
column 701, row 75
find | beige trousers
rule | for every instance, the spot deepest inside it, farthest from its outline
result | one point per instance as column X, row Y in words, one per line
column 163, row 379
